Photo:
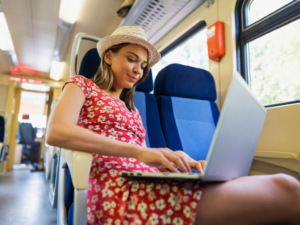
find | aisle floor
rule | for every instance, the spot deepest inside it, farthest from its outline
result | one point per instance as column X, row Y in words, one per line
column 24, row 199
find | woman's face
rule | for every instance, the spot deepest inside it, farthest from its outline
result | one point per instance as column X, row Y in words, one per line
column 127, row 65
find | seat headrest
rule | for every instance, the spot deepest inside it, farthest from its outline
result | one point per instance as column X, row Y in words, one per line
column 90, row 65
column 185, row 81
column 147, row 85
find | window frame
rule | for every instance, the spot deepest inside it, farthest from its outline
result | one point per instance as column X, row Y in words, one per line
column 246, row 33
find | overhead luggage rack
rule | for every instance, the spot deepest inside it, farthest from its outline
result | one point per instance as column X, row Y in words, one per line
column 158, row 17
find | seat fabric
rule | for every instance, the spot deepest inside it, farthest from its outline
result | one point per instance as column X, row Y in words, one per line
column 30, row 148
column 146, row 104
column 70, row 214
column 90, row 63
column 69, row 197
column 185, row 98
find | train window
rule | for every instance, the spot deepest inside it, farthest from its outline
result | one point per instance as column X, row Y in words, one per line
column 267, row 51
column 274, row 66
column 259, row 9
column 191, row 50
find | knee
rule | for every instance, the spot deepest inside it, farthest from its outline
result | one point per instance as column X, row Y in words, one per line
column 289, row 191
column 286, row 182
column 288, row 188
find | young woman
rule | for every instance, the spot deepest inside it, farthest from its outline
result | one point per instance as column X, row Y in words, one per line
column 99, row 117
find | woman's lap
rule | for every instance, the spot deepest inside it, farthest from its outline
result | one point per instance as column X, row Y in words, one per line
column 147, row 202
column 118, row 200
column 250, row 200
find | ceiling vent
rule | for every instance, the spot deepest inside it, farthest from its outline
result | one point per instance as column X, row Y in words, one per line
column 62, row 38
column 158, row 17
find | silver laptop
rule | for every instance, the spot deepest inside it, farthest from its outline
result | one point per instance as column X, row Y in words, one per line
column 234, row 142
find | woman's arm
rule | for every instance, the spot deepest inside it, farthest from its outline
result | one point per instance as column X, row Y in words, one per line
column 63, row 131
column 144, row 144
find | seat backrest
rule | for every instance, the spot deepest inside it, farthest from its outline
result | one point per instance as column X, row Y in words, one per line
column 188, row 113
column 147, row 106
column 90, row 63
column 27, row 133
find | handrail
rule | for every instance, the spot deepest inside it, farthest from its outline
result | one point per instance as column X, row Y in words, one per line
column 75, row 49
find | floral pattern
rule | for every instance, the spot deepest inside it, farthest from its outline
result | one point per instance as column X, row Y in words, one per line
column 117, row 200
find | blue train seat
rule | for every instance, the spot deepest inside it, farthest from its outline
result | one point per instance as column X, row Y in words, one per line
column 30, row 148
column 144, row 102
column 2, row 135
column 188, row 113
column 147, row 106
column 4, row 147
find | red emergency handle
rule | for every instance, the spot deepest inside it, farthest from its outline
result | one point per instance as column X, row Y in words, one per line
column 216, row 41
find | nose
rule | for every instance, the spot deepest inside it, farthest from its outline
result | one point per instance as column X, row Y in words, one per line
column 138, row 70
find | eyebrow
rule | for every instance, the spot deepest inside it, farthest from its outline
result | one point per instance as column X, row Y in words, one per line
column 136, row 56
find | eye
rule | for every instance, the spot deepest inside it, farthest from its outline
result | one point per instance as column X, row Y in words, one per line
column 130, row 60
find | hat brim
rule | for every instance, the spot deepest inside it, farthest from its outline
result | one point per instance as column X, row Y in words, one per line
column 109, row 41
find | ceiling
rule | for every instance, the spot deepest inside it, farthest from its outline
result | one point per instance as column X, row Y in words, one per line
column 33, row 28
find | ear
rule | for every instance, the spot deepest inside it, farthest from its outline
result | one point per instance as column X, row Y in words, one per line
column 108, row 57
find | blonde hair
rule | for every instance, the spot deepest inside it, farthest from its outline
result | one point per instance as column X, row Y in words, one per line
column 104, row 78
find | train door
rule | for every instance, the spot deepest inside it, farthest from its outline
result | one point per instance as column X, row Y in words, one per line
column 31, row 122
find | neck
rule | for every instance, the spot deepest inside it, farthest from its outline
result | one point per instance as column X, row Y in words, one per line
column 116, row 93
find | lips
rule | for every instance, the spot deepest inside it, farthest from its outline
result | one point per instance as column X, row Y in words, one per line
column 132, row 79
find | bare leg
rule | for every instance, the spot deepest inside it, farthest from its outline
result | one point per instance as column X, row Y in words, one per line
column 272, row 199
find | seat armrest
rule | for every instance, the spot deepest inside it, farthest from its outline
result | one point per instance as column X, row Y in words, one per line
column 284, row 159
column 79, row 164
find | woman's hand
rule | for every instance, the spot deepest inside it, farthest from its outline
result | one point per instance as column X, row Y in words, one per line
column 195, row 165
column 163, row 158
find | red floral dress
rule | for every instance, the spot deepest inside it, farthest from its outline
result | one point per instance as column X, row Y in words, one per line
column 117, row 200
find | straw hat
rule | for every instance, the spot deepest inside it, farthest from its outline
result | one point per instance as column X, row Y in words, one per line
column 129, row 34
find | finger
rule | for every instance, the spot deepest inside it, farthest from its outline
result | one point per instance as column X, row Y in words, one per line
column 203, row 162
column 186, row 164
column 185, row 159
column 169, row 165
column 173, row 164
column 174, row 157
column 167, row 150
column 199, row 167
column 181, row 163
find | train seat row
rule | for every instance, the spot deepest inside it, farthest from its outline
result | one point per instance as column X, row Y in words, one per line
column 180, row 115
column 4, row 147
column 185, row 97
column 30, row 147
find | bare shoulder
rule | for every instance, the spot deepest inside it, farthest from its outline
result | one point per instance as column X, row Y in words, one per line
column 69, row 105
